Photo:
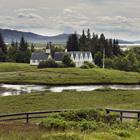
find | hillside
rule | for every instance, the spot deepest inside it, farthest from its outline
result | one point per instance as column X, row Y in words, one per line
column 24, row 73
column 10, row 35
column 15, row 35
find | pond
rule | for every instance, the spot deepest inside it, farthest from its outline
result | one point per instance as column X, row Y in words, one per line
column 10, row 89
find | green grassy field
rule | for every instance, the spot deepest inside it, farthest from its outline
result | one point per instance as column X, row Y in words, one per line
column 42, row 101
column 70, row 100
column 24, row 73
column 24, row 132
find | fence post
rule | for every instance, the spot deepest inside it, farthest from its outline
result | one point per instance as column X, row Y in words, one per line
column 107, row 111
column 121, row 116
column 138, row 117
column 27, row 118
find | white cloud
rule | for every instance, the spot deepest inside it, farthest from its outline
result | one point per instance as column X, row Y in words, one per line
column 25, row 10
column 115, row 18
column 29, row 16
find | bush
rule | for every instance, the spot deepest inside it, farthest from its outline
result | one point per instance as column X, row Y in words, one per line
column 87, row 125
column 111, row 118
column 91, row 65
column 109, row 63
column 80, row 115
column 67, row 61
column 81, row 119
column 53, row 124
column 50, row 63
column 87, row 65
column 84, row 66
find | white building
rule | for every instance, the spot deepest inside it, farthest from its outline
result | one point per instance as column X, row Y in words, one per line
column 78, row 57
column 37, row 57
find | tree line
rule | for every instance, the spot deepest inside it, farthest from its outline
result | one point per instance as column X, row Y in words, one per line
column 93, row 43
column 17, row 52
column 115, row 58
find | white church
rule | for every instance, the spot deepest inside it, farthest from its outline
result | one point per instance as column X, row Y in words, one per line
column 78, row 57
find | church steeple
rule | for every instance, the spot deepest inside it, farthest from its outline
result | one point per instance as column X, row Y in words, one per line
column 48, row 48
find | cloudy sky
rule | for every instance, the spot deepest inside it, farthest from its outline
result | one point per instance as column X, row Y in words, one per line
column 115, row 18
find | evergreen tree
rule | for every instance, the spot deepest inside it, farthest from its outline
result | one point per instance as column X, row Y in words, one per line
column 23, row 44
column 88, row 34
column 12, row 52
column 116, row 47
column 3, row 49
column 32, row 48
column 23, row 53
column 83, row 42
column 102, row 42
column 72, row 43
column 109, row 48
column 98, row 59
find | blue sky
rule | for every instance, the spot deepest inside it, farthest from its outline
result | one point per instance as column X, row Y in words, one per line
column 115, row 18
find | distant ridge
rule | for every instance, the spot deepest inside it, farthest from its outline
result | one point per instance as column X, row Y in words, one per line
column 14, row 35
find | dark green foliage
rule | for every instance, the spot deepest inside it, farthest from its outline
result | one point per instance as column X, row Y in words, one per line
column 50, row 63
column 72, row 43
column 80, row 119
column 91, row 65
column 54, row 124
column 32, row 48
column 3, row 49
column 23, row 44
column 87, row 125
column 98, row 59
column 84, row 66
column 97, row 44
column 67, row 61
column 87, row 65
column 19, row 52
column 109, row 63
column 12, row 51
column 127, row 63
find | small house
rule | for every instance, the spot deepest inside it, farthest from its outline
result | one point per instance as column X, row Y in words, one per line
column 38, row 57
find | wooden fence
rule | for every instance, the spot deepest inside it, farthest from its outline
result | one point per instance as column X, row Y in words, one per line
column 126, row 114
column 27, row 116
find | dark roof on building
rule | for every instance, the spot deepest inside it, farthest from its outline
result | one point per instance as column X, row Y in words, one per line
column 58, row 56
column 39, row 56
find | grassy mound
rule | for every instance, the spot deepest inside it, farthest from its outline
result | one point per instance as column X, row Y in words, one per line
column 24, row 73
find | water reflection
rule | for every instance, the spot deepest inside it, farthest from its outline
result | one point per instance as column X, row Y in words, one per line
column 9, row 89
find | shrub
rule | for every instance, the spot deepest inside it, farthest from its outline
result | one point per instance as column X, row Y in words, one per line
column 91, row 65
column 80, row 115
column 84, row 66
column 109, row 63
column 80, row 119
column 53, row 124
column 111, row 118
column 50, row 63
column 87, row 125
column 67, row 61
